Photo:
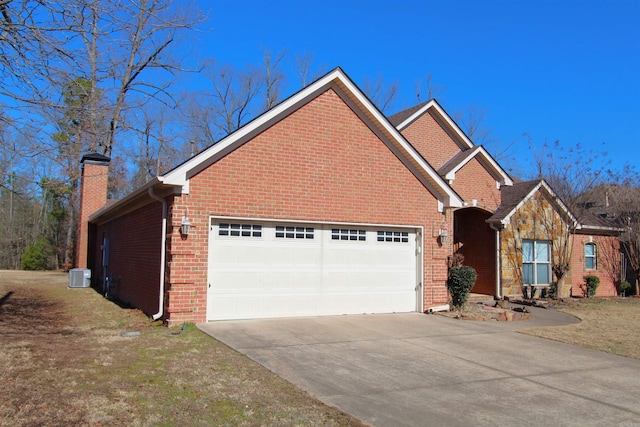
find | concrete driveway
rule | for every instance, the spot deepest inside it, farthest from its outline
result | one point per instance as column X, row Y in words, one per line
column 424, row 370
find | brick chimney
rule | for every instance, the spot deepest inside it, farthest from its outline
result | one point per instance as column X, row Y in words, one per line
column 93, row 196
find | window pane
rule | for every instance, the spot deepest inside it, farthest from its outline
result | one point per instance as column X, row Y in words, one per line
column 542, row 252
column 590, row 250
column 542, row 274
column 527, row 274
column 527, row 251
column 589, row 263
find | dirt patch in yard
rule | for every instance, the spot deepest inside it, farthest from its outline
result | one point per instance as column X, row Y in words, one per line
column 65, row 362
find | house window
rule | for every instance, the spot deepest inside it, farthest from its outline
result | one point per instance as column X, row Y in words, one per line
column 393, row 236
column 348, row 234
column 240, row 230
column 536, row 268
column 590, row 256
column 290, row 232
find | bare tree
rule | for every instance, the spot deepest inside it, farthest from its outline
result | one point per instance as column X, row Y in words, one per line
column 32, row 49
column 472, row 121
column 231, row 98
column 569, row 172
column 426, row 90
column 273, row 77
column 619, row 201
column 303, row 68
column 138, row 35
column 199, row 121
column 83, row 65
column 156, row 150
column 381, row 94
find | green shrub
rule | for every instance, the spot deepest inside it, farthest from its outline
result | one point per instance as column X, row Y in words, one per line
column 624, row 285
column 38, row 255
column 461, row 280
column 590, row 286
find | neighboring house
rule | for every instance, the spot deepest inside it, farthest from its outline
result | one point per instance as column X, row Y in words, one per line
column 319, row 206
column 619, row 204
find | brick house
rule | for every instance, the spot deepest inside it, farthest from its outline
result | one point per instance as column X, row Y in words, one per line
column 321, row 205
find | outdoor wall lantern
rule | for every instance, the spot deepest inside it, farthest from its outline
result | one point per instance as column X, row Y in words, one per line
column 443, row 236
column 185, row 226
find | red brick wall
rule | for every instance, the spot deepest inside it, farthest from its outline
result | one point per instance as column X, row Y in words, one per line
column 431, row 141
column 93, row 196
column 473, row 181
column 607, row 264
column 134, row 257
column 321, row 163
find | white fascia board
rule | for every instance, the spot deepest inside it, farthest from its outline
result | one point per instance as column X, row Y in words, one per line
column 181, row 174
column 337, row 79
column 451, row 175
column 505, row 179
column 507, row 219
column 131, row 197
column 443, row 115
column 554, row 196
column 448, row 195
column 499, row 173
column 543, row 184
column 599, row 228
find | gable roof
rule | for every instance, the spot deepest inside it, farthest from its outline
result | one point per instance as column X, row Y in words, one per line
column 404, row 118
column 513, row 197
column 176, row 181
column 357, row 101
column 468, row 150
column 453, row 165
column 398, row 118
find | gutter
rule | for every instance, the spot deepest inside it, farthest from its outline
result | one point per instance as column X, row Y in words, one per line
column 498, row 269
column 163, row 252
column 444, row 307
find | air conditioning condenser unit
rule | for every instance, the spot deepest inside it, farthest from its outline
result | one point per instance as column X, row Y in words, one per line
column 79, row 278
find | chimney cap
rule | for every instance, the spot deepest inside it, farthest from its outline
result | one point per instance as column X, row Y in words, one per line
column 95, row 158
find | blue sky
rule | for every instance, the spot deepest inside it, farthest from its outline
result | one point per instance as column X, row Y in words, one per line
column 557, row 70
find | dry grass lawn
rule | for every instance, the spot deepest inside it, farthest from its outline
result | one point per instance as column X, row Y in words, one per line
column 65, row 362
column 609, row 325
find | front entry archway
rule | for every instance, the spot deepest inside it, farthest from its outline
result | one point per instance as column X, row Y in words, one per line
column 476, row 241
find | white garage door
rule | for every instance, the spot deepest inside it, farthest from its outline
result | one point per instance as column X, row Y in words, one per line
column 262, row 269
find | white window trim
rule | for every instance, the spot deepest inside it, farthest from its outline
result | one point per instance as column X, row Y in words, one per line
column 535, row 263
column 594, row 256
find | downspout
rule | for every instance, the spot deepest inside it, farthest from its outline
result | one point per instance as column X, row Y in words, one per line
column 163, row 252
column 498, row 269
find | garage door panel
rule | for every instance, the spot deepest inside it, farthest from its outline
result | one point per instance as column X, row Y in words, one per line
column 278, row 275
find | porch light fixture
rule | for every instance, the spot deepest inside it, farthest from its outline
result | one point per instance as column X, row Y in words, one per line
column 185, row 226
column 443, row 236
